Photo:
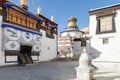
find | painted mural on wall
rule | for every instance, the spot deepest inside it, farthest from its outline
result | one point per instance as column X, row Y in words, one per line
column 13, row 39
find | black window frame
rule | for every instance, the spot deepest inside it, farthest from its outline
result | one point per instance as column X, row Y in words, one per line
column 113, row 24
column 49, row 32
column 83, row 43
column 104, row 41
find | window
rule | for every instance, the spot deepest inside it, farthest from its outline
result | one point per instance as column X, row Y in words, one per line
column 10, row 17
column 16, row 18
column 32, row 24
column 21, row 20
column 49, row 32
column 28, row 23
column 37, row 26
column 105, row 41
column 83, row 43
column 105, row 24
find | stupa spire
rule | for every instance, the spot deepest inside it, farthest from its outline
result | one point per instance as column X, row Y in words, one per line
column 23, row 2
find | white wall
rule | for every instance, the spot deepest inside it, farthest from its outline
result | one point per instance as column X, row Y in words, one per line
column 48, row 47
column 105, row 52
column 1, row 41
column 78, row 50
column 71, row 34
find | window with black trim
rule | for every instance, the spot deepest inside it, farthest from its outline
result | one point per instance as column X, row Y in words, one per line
column 83, row 43
column 105, row 24
column 49, row 32
column 105, row 41
column 37, row 26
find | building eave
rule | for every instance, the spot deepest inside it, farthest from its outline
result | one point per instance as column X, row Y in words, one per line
column 18, row 8
column 40, row 18
column 46, row 19
column 106, row 8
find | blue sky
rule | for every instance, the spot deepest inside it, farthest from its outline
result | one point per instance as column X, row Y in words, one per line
column 63, row 9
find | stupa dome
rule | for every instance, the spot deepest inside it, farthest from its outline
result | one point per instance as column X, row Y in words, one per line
column 72, row 19
column 72, row 24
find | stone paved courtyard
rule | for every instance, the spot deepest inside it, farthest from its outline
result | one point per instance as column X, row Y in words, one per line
column 43, row 71
column 53, row 70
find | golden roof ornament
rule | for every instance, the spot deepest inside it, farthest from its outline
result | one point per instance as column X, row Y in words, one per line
column 0, row 8
column 39, row 10
column 23, row 2
column 52, row 18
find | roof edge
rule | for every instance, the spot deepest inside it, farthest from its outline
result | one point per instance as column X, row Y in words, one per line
column 109, row 7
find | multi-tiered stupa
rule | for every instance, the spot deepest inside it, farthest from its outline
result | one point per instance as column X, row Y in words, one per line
column 72, row 28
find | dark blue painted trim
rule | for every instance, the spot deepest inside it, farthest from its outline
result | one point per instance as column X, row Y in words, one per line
column 7, row 5
column 21, row 29
column 48, row 25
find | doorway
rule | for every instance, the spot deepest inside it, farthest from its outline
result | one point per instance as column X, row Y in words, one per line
column 24, row 57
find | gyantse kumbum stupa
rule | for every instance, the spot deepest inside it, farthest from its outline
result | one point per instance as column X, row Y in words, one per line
column 71, row 41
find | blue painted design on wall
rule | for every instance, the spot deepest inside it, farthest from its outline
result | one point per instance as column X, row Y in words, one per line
column 21, row 29
column 37, row 47
column 38, row 38
column 14, row 34
column 12, row 45
column 27, row 35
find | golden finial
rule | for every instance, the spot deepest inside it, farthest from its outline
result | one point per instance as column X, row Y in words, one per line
column 52, row 18
column 39, row 10
column 0, row 8
column 23, row 2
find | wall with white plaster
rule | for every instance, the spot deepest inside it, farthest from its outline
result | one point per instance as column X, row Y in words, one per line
column 48, row 47
column 78, row 49
column 75, row 33
column 1, row 39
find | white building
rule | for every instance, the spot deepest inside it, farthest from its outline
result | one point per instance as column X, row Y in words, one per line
column 104, row 36
column 25, row 37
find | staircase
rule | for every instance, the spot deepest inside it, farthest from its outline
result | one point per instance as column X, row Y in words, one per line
column 24, row 59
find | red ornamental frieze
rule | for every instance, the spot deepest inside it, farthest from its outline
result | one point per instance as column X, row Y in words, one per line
column 106, row 13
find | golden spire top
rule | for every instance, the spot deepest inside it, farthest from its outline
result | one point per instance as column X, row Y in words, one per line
column 23, row 2
column 52, row 18
column 39, row 10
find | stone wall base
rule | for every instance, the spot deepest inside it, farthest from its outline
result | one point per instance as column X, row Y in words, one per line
column 84, row 73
